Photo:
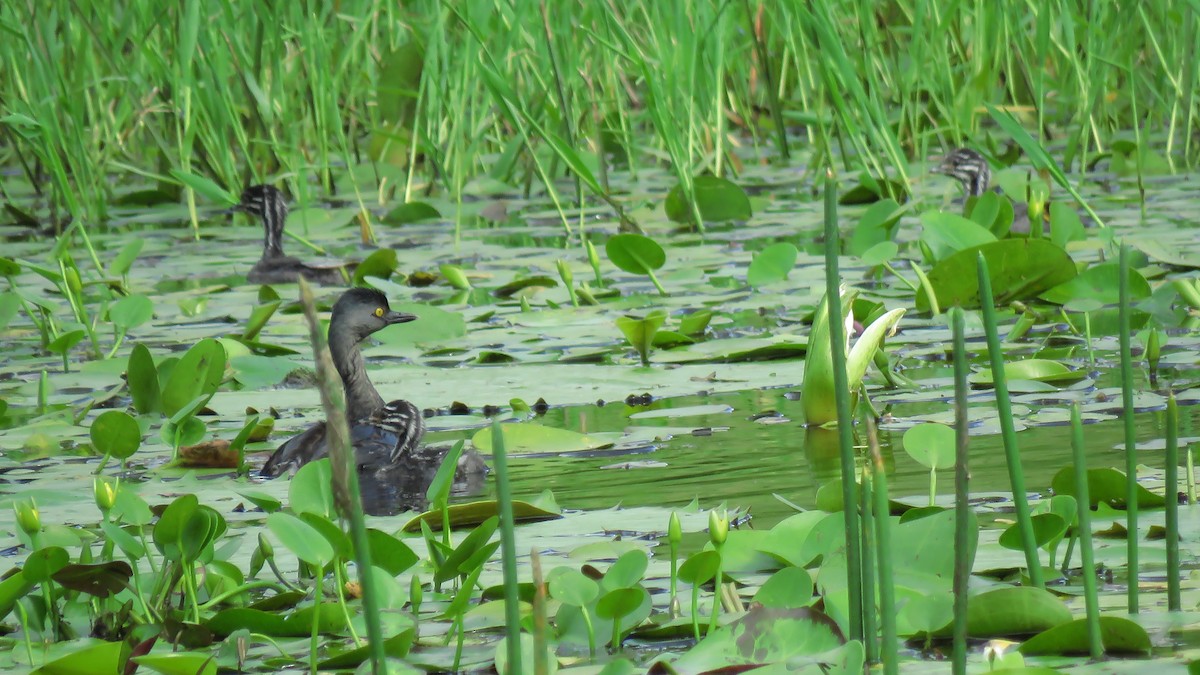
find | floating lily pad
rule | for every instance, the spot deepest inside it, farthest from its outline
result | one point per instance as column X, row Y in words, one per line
column 1100, row 283
column 1019, row 268
column 1036, row 370
column 474, row 513
column 717, row 199
column 1118, row 635
column 945, row 234
column 1014, row 610
column 772, row 264
column 1105, row 485
column 412, row 212
column 529, row 438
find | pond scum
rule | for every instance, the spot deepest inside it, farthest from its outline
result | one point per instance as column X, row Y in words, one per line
column 637, row 201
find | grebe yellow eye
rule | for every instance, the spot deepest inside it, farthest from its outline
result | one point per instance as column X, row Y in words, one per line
column 379, row 312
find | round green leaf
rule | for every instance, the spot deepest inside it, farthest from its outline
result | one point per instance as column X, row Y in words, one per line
column 300, row 538
column 197, row 374
column 116, row 433
column 1019, row 268
column 620, row 602
column 931, row 445
column 131, row 311
column 45, row 562
column 63, row 343
column 1046, row 528
column 382, row 264
column 536, row 438
column 1100, row 283
column 142, row 378
column 411, row 212
column 880, row 253
column 788, row 588
column 699, row 568
column 929, row 612
column 1038, row 370
column 772, row 264
column 1118, row 635
column 627, row 571
column 718, row 200
column 1015, row 610
column 571, row 587
column 635, row 253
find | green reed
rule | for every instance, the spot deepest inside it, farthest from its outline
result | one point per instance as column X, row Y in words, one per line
column 235, row 90
column 962, row 504
column 1012, row 449
column 1131, row 486
column 1091, row 597
column 1171, row 493
column 845, row 419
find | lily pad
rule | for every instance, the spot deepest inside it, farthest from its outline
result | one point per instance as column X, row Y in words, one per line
column 1019, row 268
column 1036, row 370
column 474, row 513
column 529, row 438
column 772, row 264
column 1118, row 634
column 1100, row 283
column 1014, row 610
column 717, row 199
column 412, row 212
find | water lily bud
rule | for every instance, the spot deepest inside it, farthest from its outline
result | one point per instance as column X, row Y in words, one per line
column 105, row 493
column 256, row 562
column 28, row 518
column 674, row 530
column 416, row 594
column 264, row 545
column 593, row 259
column 718, row 527
column 1153, row 348
column 525, row 304
column 73, row 282
column 565, row 272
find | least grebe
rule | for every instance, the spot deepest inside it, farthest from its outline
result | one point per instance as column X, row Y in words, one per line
column 975, row 176
column 386, row 436
column 269, row 204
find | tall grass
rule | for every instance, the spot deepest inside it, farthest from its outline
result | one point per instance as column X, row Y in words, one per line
column 100, row 95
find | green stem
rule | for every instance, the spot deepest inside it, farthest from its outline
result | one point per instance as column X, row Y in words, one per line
column 841, row 391
column 1091, row 598
column 883, row 546
column 962, row 505
column 1131, row 486
column 1171, row 493
column 1008, row 431
column 508, row 552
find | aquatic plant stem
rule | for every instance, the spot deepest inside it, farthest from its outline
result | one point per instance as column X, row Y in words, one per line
column 540, row 622
column 888, row 649
column 764, row 64
column 868, row 553
column 1171, row 494
column 962, row 505
column 1092, row 601
column 837, row 341
column 508, row 551
column 1131, row 492
column 345, row 477
column 1008, row 431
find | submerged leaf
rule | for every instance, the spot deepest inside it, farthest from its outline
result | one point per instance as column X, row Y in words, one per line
column 717, row 199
